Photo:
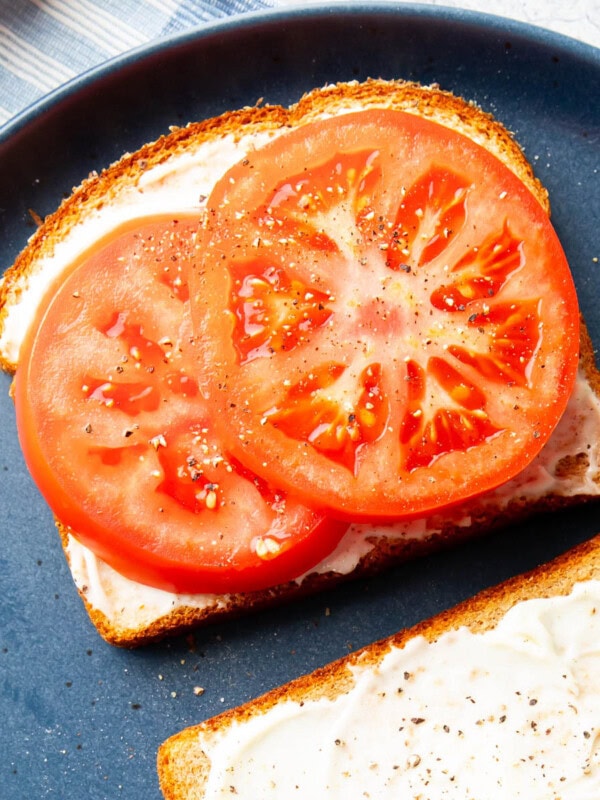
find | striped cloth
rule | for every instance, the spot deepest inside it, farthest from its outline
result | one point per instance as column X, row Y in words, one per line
column 44, row 43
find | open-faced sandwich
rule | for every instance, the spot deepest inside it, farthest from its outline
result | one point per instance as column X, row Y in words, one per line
column 498, row 697
column 285, row 347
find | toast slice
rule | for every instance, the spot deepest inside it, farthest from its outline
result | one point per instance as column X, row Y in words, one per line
column 176, row 173
column 498, row 697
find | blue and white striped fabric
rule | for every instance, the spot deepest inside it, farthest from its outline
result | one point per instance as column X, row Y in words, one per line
column 44, row 43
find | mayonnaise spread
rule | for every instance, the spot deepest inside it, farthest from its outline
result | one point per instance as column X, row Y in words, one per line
column 510, row 713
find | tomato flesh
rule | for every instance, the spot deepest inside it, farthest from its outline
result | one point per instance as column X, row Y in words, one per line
column 121, row 443
column 390, row 319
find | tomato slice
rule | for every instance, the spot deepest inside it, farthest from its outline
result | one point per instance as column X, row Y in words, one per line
column 121, row 444
column 390, row 319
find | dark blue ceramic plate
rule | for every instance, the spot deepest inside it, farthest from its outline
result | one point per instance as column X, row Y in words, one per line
column 80, row 719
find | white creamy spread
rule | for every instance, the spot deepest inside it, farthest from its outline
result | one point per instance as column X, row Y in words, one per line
column 510, row 713
column 178, row 186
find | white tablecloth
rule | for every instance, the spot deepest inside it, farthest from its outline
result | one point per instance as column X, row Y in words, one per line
column 45, row 43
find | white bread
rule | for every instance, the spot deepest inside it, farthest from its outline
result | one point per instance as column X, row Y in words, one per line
column 498, row 697
column 174, row 174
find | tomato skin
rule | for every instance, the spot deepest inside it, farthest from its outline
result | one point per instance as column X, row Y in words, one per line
column 119, row 440
column 414, row 255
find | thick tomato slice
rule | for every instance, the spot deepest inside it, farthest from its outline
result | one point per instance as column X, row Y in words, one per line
column 390, row 318
column 121, row 444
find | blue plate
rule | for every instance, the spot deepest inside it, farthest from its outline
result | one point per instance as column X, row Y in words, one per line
column 81, row 718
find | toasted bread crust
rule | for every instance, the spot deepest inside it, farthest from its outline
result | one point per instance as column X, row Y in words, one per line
column 183, row 765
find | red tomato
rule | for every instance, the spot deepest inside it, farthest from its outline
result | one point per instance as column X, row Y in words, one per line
column 390, row 319
column 119, row 440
